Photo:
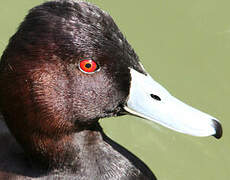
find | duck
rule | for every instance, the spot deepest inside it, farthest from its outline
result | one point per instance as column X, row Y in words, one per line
column 67, row 66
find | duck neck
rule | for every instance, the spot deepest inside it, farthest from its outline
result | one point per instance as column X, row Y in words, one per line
column 87, row 153
column 68, row 151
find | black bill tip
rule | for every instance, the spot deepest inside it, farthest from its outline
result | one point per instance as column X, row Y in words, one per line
column 218, row 129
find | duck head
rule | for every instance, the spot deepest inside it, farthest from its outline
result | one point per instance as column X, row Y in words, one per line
column 67, row 66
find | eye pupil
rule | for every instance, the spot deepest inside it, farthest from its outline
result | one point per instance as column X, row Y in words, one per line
column 88, row 65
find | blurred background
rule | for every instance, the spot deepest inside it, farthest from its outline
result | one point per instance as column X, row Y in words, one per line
column 184, row 45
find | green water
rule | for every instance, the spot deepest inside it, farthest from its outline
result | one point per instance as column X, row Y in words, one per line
column 185, row 45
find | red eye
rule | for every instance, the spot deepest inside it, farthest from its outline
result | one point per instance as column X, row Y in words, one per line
column 88, row 66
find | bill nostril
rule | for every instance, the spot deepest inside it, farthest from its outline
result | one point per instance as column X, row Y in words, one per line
column 155, row 97
column 218, row 129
